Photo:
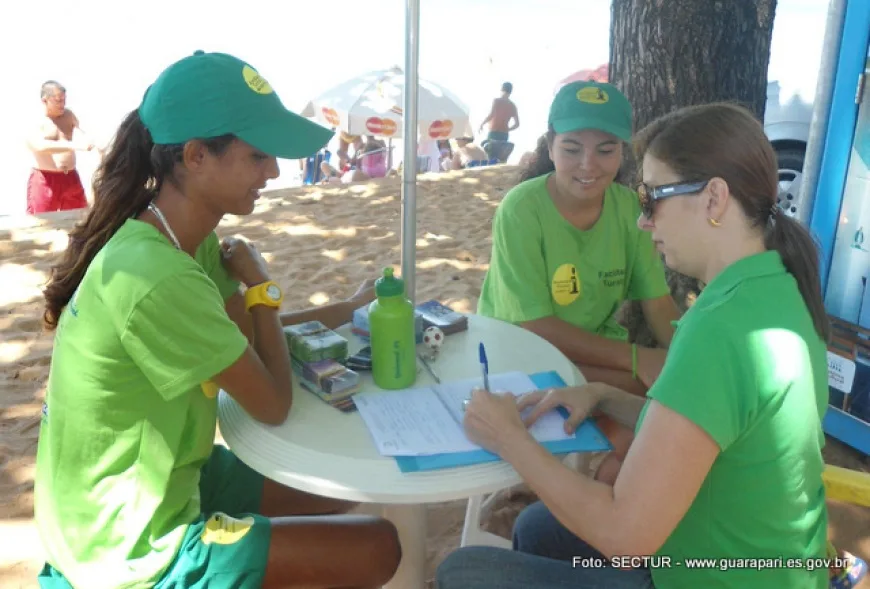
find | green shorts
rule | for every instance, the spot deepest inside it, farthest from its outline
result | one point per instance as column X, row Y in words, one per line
column 228, row 545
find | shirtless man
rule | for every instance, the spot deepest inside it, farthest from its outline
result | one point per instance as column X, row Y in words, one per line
column 54, row 183
column 464, row 152
column 500, row 115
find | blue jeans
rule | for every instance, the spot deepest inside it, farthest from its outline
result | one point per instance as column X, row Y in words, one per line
column 543, row 558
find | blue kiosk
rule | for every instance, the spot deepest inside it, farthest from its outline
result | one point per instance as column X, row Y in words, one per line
column 838, row 215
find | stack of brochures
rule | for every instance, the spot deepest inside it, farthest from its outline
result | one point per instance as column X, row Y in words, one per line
column 317, row 354
column 443, row 317
column 422, row 427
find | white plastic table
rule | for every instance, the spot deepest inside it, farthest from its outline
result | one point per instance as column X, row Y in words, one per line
column 322, row 451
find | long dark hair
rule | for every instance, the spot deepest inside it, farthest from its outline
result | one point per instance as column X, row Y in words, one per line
column 725, row 140
column 127, row 179
column 540, row 163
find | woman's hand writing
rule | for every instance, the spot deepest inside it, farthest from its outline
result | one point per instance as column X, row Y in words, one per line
column 579, row 401
column 492, row 420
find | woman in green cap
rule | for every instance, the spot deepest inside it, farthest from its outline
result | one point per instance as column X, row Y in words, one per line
column 130, row 490
column 567, row 252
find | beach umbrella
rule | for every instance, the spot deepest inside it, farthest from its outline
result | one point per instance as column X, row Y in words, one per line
column 599, row 74
column 377, row 104
column 374, row 104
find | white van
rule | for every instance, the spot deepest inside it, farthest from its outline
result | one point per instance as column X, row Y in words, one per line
column 795, row 58
column 787, row 125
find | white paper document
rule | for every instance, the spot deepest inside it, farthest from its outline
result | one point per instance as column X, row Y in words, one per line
column 423, row 421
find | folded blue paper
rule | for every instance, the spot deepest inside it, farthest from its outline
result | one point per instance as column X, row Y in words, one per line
column 587, row 438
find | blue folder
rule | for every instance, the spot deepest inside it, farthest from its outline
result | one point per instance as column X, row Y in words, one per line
column 587, row 438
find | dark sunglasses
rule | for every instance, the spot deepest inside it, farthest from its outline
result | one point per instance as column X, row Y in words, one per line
column 647, row 195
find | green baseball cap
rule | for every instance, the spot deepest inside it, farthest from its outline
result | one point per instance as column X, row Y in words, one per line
column 208, row 95
column 591, row 105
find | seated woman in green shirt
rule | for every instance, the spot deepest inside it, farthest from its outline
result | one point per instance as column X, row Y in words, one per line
column 722, row 485
column 131, row 490
column 567, row 252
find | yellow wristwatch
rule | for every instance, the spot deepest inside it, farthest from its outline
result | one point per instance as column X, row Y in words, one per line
column 266, row 293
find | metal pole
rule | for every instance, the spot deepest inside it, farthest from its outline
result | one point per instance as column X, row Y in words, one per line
column 821, row 111
column 409, row 166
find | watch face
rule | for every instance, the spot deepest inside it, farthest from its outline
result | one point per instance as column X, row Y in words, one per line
column 274, row 292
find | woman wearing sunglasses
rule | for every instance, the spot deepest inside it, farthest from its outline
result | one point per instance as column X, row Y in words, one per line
column 726, row 464
column 567, row 252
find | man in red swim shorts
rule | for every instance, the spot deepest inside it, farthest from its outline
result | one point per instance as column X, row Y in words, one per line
column 54, row 183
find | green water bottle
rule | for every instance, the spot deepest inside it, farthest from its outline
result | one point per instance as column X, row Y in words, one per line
column 391, row 325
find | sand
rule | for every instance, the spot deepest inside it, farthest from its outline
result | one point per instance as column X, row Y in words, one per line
column 321, row 243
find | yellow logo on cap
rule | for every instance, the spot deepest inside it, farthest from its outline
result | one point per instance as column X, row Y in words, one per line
column 592, row 95
column 566, row 284
column 255, row 81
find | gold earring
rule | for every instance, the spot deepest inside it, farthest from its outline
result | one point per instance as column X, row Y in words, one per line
column 714, row 222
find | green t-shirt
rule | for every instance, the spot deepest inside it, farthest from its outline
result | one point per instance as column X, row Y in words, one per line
column 747, row 366
column 127, row 425
column 542, row 265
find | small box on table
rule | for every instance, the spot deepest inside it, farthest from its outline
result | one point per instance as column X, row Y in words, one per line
column 443, row 317
column 312, row 341
column 329, row 380
column 317, row 354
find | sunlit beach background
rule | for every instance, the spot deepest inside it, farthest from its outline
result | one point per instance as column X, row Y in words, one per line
column 320, row 242
column 106, row 53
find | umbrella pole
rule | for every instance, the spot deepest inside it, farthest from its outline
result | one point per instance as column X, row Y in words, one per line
column 409, row 168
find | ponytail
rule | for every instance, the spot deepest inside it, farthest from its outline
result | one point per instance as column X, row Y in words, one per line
column 124, row 184
column 727, row 141
column 128, row 178
column 801, row 258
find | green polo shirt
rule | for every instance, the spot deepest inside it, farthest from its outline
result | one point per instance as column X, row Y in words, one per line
column 747, row 366
column 129, row 418
column 542, row 265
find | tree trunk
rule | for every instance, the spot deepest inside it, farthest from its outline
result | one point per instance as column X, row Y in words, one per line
column 666, row 54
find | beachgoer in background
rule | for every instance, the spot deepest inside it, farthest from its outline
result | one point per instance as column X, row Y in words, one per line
column 346, row 163
column 464, row 151
column 503, row 117
column 54, row 183
column 369, row 161
column 373, row 161
column 130, row 489
column 446, row 151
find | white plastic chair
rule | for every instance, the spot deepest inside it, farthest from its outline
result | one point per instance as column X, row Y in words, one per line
column 474, row 535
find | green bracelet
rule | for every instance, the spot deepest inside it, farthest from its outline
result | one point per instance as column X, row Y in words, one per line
column 634, row 361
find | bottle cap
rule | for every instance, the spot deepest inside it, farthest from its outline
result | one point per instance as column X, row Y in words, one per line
column 388, row 285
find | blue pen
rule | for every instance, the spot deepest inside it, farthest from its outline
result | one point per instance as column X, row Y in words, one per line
column 484, row 366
